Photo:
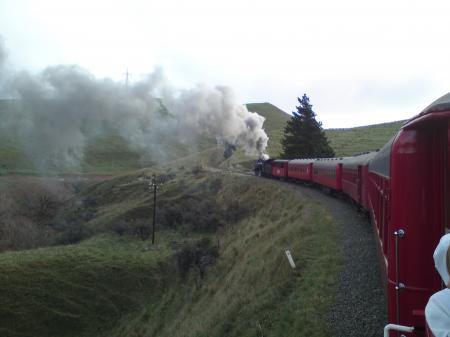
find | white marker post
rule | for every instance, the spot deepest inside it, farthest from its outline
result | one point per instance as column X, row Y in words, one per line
column 290, row 259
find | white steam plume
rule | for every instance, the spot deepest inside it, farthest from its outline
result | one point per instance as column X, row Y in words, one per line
column 63, row 108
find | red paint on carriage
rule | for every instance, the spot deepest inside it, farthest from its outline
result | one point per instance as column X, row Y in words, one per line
column 300, row 169
column 419, row 171
column 409, row 194
column 280, row 168
column 354, row 177
column 328, row 172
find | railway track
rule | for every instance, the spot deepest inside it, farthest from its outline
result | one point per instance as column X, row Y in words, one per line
column 359, row 308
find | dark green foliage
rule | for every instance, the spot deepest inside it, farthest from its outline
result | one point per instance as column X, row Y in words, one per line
column 235, row 211
column 192, row 214
column 303, row 134
column 140, row 228
column 200, row 254
column 197, row 169
column 73, row 234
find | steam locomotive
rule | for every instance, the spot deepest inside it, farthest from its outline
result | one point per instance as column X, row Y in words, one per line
column 405, row 188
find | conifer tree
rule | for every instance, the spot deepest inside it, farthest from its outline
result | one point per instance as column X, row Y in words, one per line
column 304, row 136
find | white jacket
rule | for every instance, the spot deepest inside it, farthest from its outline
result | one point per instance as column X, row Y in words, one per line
column 437, row 311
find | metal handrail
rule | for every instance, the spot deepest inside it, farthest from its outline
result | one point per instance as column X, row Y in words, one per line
column 398, row 285
column 397, row 327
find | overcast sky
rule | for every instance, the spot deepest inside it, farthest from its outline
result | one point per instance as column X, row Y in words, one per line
column 360, row 62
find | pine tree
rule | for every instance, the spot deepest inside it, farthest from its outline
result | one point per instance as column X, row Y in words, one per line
column 304, row 136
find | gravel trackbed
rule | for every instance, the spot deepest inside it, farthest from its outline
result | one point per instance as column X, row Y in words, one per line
column 360, row 305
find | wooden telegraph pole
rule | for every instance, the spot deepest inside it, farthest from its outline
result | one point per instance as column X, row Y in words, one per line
column 154, row 184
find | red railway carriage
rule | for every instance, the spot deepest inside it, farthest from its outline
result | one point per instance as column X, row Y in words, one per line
column 328, row 172
column 355, row 177
column 378, row 190
column 410, row 199
column 280, row 168
column 406, row 189
column 301, row 169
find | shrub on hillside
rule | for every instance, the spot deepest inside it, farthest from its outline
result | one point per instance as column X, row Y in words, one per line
column 197, row 169
column 134, row 227
column 235, row 211
column 191, row 214
column 215, row 185
column 25, row 212
column 72, row 234
column 18, row 233
column 201, row 254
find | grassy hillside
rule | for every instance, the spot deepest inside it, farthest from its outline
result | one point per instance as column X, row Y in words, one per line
column 218, row 268
column 109, row 153
column 275, row 117
column 77, row 290
column 347, row 142
column 274, row 125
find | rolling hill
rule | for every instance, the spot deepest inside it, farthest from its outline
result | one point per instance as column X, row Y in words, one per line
column 218, row 267
column 110, row 154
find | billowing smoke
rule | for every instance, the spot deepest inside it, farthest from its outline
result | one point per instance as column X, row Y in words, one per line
column 64, row 108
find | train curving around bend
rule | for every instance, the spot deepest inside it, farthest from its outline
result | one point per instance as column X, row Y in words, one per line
column 405, row 188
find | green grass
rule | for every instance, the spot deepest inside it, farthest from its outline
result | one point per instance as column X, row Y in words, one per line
column 347, row 142
column 252, row 291
column 77, row 290
column 121, row 286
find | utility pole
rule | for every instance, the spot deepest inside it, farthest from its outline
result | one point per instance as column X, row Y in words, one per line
column 127, row 76
column 154, row 184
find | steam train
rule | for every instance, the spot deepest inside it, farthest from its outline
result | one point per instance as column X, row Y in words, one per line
column 405, row 188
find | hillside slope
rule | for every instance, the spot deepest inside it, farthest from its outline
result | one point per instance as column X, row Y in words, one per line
column 274, row 125
column 107, row 153
column 347, row 142
column 110, row 154
column 218, row 267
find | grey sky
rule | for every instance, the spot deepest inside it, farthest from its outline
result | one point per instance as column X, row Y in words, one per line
column 360, row 62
